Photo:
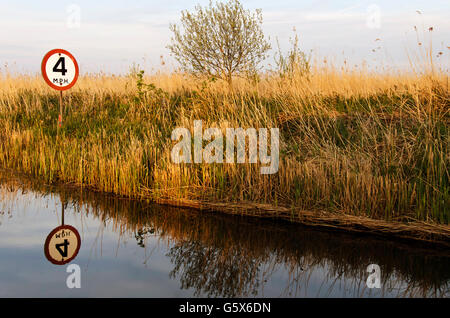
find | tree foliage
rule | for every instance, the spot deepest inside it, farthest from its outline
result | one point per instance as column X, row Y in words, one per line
column 295, row 62
column 220, row 40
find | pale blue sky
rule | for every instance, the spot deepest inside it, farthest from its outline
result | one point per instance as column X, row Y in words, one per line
column 114, row 34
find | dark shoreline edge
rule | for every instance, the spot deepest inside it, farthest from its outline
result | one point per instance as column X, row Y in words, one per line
column 421, row 233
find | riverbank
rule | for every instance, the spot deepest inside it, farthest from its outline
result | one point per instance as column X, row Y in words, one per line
column 426, row 234
column 359, row 151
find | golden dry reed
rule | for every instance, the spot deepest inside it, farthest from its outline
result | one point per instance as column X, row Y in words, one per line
column 352, row 142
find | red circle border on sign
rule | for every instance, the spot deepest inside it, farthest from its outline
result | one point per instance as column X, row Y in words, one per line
column 44, row 73
column 47, row 245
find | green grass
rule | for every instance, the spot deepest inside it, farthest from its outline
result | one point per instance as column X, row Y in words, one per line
column 382, row 153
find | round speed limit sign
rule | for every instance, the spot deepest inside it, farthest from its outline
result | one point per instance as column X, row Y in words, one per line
column 59, row 69
column 62, row 245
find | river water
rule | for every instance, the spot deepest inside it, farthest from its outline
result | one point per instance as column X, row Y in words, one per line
column 138, row 249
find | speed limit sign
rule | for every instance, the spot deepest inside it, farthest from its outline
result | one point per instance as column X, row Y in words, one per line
column 59, row 69
column 62, row 245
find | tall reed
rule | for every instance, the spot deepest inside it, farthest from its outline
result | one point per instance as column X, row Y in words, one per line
column 352, row 141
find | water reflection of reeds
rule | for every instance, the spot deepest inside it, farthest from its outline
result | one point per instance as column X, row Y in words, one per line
column 229, row 256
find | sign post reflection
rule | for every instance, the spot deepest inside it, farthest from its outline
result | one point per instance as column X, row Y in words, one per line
column 62, row 244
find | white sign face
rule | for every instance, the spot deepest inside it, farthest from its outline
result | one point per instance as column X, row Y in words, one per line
column 59, row 69
column 62, row 245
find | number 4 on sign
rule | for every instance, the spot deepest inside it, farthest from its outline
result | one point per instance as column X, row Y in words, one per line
column 63, row 69
column 63, row 252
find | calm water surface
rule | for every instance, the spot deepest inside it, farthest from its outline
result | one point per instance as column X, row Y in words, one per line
column 135, row 249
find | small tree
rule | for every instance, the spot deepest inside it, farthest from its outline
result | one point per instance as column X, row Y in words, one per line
column 220, row 41
column 294, row 62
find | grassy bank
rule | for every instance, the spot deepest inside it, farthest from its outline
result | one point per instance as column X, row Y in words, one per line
column 351, row 142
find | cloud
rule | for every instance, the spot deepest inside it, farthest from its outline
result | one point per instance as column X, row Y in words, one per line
column 111, row 37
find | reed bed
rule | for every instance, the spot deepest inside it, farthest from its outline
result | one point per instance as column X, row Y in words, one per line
column 353, row 142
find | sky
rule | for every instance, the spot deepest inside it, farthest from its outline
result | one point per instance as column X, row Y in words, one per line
column 109, row 36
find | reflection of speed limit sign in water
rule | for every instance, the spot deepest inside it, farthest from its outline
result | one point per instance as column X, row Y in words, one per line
column 59, row 69
column 62, row 245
